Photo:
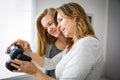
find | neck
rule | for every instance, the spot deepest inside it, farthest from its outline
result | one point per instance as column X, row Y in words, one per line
column 62, row 39
column 61, row 42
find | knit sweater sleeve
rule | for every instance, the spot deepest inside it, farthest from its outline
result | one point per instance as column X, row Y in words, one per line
column 50, row 63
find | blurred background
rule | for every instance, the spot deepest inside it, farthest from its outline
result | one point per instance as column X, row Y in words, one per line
column 17, row 21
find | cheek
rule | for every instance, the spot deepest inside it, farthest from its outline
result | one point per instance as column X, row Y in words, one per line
column 70, row 27
column 57, row 34
column 48, row 31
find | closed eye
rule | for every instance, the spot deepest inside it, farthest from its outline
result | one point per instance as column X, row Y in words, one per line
column 59, row 19
column 50, row 23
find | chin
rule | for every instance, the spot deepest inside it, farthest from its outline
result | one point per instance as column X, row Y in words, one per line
column 56, row 36
column 66, row 36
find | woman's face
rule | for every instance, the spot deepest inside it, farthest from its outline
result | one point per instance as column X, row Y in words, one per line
column 66, row 25
column 48, row 23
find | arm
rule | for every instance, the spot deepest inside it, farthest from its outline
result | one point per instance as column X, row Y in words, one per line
column 50, row 64
column 46, row 63
column 36, row 59
column 41, row 76
column 39, row 60
column 30, row 68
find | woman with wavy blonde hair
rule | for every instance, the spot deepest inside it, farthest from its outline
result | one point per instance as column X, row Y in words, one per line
column 84, row 60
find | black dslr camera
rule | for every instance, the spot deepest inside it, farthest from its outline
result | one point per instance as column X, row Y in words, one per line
column 16, row 52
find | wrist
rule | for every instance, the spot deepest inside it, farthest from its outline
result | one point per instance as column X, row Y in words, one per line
column 41, row 76
column 29, row 53
column 36, row 73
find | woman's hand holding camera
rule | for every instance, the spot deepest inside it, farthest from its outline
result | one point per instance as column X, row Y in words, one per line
column 21, row 65
column 25, row 66
column 23, row 44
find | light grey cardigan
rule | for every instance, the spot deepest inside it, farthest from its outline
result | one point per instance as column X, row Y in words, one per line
column 83, row 62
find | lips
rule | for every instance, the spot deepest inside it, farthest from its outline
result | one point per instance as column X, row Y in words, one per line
column 53, row 32
column 63, row 30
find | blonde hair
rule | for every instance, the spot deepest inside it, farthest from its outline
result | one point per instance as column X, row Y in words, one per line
column 83, row 26
column 43, row 38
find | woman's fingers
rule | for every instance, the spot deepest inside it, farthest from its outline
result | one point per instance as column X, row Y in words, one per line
column 24, row 66
column 18, row 64
column 16, row 61
column 17, row 42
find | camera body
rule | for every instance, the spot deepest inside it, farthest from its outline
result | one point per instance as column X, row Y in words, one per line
column 15, row 52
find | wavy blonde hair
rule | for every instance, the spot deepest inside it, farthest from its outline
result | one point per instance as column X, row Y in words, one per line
column 83, row 26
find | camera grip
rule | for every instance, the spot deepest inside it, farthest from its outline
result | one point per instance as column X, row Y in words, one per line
column 9, row 67
column 15, row 52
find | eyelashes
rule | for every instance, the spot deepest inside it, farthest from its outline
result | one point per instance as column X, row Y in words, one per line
column 59, row 19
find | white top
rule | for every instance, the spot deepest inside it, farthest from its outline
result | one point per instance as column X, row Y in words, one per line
column 83, row 62
column 50, row 63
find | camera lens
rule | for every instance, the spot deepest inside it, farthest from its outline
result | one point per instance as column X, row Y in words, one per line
column 8, row 66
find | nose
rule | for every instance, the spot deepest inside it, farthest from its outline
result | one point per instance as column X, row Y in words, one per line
column 49, row 29
column 59, row 27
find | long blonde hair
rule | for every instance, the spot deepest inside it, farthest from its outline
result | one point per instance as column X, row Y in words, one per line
column 43, row 38
column 83, row 26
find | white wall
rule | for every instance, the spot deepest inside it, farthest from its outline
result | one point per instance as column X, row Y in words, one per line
column 113, row 41
column 15, row 23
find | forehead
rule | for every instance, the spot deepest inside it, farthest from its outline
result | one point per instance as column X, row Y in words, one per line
column 46, row 19
column 60, row 14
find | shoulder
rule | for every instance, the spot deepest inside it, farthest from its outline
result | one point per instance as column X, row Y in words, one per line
column 88, row 39
column 88, row 43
